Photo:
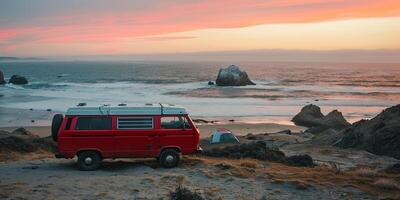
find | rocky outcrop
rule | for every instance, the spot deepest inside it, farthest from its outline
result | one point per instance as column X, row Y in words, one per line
column 312, row 117
column 380, row 135
column 22, row 141
column 18, row 80
column 233, row 76
column 257, row 150
column 327, row 137
column 2, row 81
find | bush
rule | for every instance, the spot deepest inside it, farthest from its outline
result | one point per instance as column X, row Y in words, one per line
column 26, row 145
column 182, row 193
column 387, row 184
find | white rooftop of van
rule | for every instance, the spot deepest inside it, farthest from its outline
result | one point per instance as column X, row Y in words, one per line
column 126, row 109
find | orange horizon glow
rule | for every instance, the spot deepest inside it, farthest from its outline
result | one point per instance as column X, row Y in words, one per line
column 123, row 27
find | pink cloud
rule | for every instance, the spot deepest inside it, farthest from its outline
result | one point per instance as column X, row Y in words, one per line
column 113, row 25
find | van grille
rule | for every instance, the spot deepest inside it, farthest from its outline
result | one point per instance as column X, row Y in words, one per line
column 135, row 123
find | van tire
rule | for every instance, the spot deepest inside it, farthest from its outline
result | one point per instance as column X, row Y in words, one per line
column 55, row 125
column 89, row 160
column 169, row 158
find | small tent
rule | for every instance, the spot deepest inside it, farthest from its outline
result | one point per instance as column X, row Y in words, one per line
column 223, row 135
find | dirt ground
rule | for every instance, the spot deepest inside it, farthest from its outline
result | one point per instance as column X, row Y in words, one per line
column 143, row 179
column 338, row 174
column 213, row 178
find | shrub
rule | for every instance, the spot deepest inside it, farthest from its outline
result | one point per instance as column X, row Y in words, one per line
column 366, row 172
column 387, row 184
column 182, row 193
column 300, row 161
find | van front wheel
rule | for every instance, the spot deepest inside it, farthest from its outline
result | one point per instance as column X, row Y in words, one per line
column 169, row 158
column 89, row 161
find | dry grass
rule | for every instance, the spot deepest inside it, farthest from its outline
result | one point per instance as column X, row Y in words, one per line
column 212, row 191
column 249, row 163
column 147, row 180
column 7, row 156
column 102, row 194
column 301, row 178
column 176, row 178
column 366, row 172
column 387, row 184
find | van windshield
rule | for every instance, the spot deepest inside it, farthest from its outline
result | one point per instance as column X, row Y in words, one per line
column 174, row 122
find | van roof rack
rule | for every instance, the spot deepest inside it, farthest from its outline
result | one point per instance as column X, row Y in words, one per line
column 141, row 109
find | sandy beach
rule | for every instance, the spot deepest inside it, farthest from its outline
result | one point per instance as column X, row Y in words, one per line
column 11, row 119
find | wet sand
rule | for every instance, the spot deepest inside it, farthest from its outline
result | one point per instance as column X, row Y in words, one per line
column 13, row 117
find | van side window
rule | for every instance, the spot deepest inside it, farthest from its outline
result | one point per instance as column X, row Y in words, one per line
column 93, row 123
column 135, row 123
column 174, row 123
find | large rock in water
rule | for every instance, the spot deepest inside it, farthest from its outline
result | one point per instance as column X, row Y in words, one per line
column 233, row 76
column 380, row 135
column 311, row 116
column 18, row 80
column 2, row 81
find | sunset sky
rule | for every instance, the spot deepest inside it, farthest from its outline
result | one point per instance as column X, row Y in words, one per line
column 92, row 27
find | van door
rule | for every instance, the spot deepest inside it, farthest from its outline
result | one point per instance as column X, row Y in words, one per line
column 177, row 131
column 133, row 137
column 93, row 132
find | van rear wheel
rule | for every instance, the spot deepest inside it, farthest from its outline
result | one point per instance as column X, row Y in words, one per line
column 169, row 158
column 89, row 161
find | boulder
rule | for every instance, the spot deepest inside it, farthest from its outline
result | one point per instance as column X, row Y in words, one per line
column 18, row 80
column 233, row 76
column 335, row 120
column 257, row 150
column 380, row 135
column 300, row 160
column 311, row 116
column 2, row 81
column 210, row 83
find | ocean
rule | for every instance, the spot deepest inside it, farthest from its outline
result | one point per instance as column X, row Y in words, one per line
column 281, row 90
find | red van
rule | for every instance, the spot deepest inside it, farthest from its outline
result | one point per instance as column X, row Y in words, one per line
column 161, row 131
